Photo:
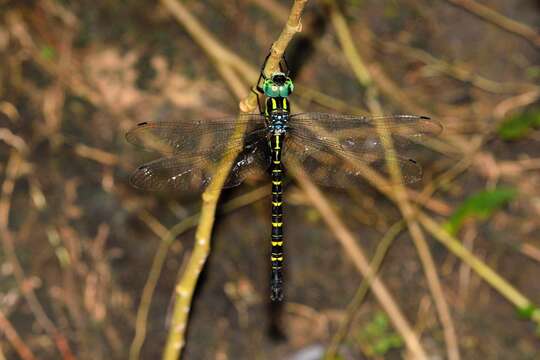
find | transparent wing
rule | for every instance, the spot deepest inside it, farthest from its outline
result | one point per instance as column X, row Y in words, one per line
column 358, row 135
column 323, row 144
column 193, row 172
column 193, row 137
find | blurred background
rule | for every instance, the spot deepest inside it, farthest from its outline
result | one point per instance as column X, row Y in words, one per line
column 79, row 243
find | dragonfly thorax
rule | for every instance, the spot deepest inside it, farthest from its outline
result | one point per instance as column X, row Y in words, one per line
column 277, row 114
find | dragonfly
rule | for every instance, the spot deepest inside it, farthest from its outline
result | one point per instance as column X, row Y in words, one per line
column 328, row 147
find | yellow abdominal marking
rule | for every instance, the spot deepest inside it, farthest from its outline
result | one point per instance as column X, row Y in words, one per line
column 276, row 182
column 277, row 243
column 276, row 258
column 277, row 224
column 277, row 203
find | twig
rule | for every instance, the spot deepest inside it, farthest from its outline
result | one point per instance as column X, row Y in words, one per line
column 487, row 14
column 454, row 245
column 413, row 342
column 531, row 251
column 354, row 305
column 167, row 237
column 12, row 170
column 455, row 71
column 484, row 271
column 11, row 335
column 98, row 155
column 371, row 77
column 421, row 246
column 13, row 140
column 512, row 103
column 365, row 76
column 186, row 286
column 356, row 254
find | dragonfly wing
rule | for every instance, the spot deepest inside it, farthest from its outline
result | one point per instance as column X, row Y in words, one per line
column 193, row 137
column 195, row 172
column 359, row 135
column 333, row 144
column 329, row 167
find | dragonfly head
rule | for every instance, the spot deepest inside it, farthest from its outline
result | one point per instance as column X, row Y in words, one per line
column 279, row 78
column 278, row 85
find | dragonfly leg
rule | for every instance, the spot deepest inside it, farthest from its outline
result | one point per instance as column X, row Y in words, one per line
column 258, row 91
column 284, row 66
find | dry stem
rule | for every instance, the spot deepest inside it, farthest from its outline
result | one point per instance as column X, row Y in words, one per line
column 13, row 338
column 356, row 254
column 364, row 77
column 186, row 286
column 361, row 292
column 167, row 237
column 13, row 167
column 497, row 19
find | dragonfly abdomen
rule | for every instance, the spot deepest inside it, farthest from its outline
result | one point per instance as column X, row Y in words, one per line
column 276, row 257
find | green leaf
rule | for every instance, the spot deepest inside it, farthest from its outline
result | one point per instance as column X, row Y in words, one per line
column 479, row 206
column 377, row 337
column 533, row 72
column 48, row 53
column 519, row 125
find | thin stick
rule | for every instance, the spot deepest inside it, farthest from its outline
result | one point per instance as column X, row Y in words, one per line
column 365, row 76
column 186, row 285
column 167, row 237
column 11, row 335
column 372, row 76
column 356, row 254
column 420, row 243
column 483, row 270
column 361, row 292
column 393, row 306
column 12, row 171
column 487, row 14
column 455, row 71
column 424, row 196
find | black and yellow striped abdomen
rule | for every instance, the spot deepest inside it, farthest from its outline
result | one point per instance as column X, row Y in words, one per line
column 277, row 113
column 276, row 257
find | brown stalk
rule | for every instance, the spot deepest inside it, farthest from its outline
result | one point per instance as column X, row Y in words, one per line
column 487, row 14
column 12, row 171
column 451, row 243
column 361, row 292
column 356, row 254
column 402, row 327
column 455, row 71
column 13, row 338
column 167, row 237
column 364, row 76
column 186, row 285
